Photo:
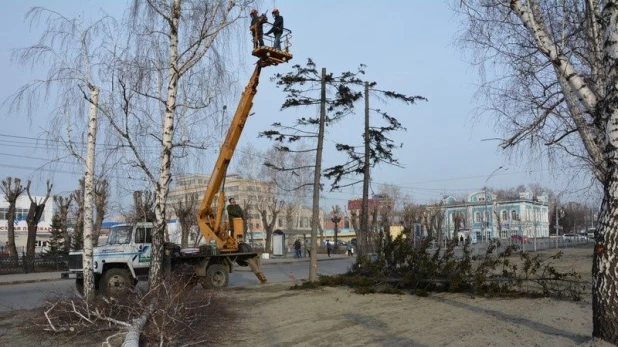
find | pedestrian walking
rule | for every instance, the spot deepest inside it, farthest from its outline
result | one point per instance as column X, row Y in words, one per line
column 349, row 249
column 297, row 247
column 329, row 247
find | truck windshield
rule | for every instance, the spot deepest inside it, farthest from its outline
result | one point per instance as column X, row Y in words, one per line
column 119, row 235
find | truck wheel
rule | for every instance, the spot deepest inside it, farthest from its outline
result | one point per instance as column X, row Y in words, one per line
column 115, row 282
column 216, row 277
column 79, row 286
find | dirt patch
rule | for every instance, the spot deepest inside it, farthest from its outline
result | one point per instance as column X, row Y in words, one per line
column 274, row 315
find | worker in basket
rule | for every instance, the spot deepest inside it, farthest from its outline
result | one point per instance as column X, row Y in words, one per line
column 277, row 29
column 256, row 28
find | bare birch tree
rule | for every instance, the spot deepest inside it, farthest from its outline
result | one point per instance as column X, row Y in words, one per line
column 101, row 200
column 269, row 211
column 186, row 210
column 555, row 89
column 290, row 185
column 35, row 212
column 12, row 190
column 63, row 205
column 172, row 64
column 68, row 49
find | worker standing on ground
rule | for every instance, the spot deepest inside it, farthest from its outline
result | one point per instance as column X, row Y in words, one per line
column 277, row 29
column 256, row 28
column 233, row 211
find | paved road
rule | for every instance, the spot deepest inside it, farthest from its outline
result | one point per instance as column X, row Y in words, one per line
column 29, row 295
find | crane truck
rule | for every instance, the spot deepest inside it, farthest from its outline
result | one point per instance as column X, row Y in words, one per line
column 125, row 258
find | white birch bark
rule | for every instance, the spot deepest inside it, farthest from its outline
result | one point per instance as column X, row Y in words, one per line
column 131, row 339
column 162, row 187
column 599, row 103
column 605, row 259
column 88, row 194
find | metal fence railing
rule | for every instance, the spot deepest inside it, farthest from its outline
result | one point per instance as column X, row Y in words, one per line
column 26, row 264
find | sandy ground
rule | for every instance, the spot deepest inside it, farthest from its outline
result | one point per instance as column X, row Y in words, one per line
column 272, row 315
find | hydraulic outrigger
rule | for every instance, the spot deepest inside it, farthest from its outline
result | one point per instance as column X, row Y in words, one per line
column 210, row 221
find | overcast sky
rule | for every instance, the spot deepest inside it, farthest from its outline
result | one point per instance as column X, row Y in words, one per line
column 408, row 46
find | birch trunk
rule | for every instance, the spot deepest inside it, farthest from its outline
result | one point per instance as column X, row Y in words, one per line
column 162, row 187
column 605, row 258
column 592, row 103
column 88, row 195
column 605, row 266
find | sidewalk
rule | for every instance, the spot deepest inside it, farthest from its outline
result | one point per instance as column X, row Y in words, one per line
column 55, row 275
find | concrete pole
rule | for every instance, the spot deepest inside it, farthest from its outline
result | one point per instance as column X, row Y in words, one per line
column 364, row 246
column 557, row 225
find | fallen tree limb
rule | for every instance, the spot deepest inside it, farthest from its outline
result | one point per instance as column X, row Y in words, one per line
column 135, row 330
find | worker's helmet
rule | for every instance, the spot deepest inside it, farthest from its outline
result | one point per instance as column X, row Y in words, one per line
column 254, row 11
column 275, row 11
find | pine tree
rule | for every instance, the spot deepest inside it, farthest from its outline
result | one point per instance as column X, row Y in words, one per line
column 56, row 241
column 77, row 241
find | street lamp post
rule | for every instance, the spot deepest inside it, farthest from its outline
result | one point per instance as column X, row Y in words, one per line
column 486, row 216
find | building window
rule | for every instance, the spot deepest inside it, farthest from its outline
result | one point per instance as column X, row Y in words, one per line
column 505, row 215
column 477, row 217
column 514, row 215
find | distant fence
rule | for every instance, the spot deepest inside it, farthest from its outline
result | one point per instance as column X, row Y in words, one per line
column 41, row 262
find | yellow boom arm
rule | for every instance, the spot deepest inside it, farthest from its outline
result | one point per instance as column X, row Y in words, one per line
column 209, row 221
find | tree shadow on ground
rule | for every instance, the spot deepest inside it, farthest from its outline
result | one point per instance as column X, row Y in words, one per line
column 517, row 320
column 379, row 331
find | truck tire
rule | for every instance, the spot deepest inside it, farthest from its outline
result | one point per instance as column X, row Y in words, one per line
column 217, row 276
column 116, row 282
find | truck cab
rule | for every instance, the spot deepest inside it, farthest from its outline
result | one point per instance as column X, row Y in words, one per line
column 125, row 259
column 121, row 262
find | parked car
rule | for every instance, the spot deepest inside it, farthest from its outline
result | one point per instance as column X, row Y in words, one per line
column 569, row 237
column 520, row 239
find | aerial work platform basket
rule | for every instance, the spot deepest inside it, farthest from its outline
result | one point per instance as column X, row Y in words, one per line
column 271, row 55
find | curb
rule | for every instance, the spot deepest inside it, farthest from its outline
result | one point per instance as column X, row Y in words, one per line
column 239, row 268
column 30, row 281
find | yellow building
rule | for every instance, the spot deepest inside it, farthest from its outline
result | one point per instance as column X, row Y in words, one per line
column 249, row 194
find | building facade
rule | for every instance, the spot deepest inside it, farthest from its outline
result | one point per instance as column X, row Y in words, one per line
column 22, row 206
column 486, row 216
column 248, row 194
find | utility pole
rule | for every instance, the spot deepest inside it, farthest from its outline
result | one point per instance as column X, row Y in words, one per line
column 313, row 269
column 363, row 239
column 557, row 225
